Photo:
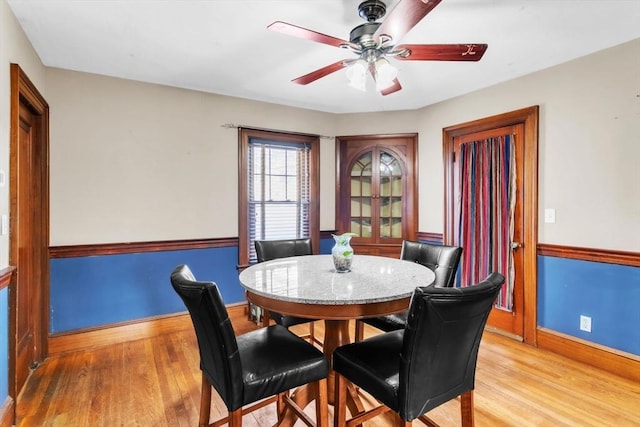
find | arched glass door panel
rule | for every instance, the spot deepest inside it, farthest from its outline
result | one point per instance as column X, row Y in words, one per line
column 376, row 193
column 390, row 196
column 361, row 195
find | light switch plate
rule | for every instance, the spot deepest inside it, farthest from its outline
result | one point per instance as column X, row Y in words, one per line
column 4, row 225
column 550, row 216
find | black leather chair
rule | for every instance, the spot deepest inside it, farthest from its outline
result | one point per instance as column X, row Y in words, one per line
column 266, row 250
column 259, row 366
column 431, row 361
column 441, row 259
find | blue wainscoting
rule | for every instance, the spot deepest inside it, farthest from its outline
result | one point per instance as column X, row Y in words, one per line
column 91, row 291
column 608, row 293
column 99, row 290
column 4, row 343
column 326, row 245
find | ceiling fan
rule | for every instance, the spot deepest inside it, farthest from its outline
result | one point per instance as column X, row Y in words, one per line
column 374, row 42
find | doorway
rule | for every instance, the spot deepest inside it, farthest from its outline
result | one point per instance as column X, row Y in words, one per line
column 521, row 320
column 28, row 229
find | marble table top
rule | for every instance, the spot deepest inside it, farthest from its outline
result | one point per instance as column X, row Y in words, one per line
column 312, row 279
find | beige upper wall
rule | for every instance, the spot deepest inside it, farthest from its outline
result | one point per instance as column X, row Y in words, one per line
column 589, row 148
column 140, row 162
column 14, row 48
column 589, row 144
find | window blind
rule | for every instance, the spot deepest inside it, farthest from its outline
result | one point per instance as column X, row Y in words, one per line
column 279, row 191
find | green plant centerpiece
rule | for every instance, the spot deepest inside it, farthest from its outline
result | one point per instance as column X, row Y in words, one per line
column 342, row 252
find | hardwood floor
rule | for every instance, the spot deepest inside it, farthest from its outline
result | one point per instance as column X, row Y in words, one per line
column 156, row 382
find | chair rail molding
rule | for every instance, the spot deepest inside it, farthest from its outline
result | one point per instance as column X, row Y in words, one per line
column 607, row 256
column 72, row 251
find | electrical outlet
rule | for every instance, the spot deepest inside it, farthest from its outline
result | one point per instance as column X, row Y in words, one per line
column 585, row 323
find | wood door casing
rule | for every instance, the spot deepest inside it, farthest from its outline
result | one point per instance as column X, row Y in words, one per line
column 28, row 229
column 528, row 119
column 403, row 147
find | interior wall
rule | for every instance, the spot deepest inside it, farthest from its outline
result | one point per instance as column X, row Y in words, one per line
column 589, row 130
column 589, row 121
column 132, row 161
column 14, row 48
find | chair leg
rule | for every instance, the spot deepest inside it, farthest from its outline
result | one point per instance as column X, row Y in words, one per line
column 281, row 405
column 340, row 402
column 205, row 402
column 466, row 409
column 266, row 318
column 399, row 422
column 359, row 334
column 235, row 418
column 312, row 336
column 322, row 404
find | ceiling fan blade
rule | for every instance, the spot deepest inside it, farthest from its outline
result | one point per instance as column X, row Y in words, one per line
column 441, row 52
column 391, row 89
column 303, row 33
column 404, row 17
column 321, row 72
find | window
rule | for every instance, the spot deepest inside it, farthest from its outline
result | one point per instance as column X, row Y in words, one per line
column 279, row 189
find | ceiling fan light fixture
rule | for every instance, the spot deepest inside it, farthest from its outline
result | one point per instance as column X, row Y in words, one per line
column 376, row 40
column 357, row 75
column 385, row 74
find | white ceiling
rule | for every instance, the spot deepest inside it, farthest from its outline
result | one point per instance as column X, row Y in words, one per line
column 223, row 46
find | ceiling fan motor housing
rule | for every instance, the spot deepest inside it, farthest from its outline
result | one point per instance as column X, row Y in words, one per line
column 363, row 34
column 372, row 10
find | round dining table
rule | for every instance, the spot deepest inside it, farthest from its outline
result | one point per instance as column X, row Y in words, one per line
column 309, row 286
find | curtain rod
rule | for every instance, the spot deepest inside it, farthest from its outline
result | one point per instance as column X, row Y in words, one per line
column 235, row 126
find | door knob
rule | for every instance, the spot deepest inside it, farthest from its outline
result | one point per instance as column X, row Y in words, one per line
column 516, row 245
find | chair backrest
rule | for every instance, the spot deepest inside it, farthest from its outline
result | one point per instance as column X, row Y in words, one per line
column 266, row 250
column 440, row 345
column 219, row 358
column 441, row 259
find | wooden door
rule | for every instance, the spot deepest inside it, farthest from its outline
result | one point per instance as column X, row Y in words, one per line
column 376, row 192
column 511, row 321
column 26, row 289
column 29, row 225
column 521, row 321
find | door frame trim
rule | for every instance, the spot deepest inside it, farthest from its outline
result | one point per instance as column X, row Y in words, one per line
column 24, row 91
column 528, row 117
column 341, row 146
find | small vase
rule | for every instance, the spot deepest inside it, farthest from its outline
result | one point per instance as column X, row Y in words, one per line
column 342, row 252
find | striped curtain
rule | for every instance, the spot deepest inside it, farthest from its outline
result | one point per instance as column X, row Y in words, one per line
column 487, row 183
